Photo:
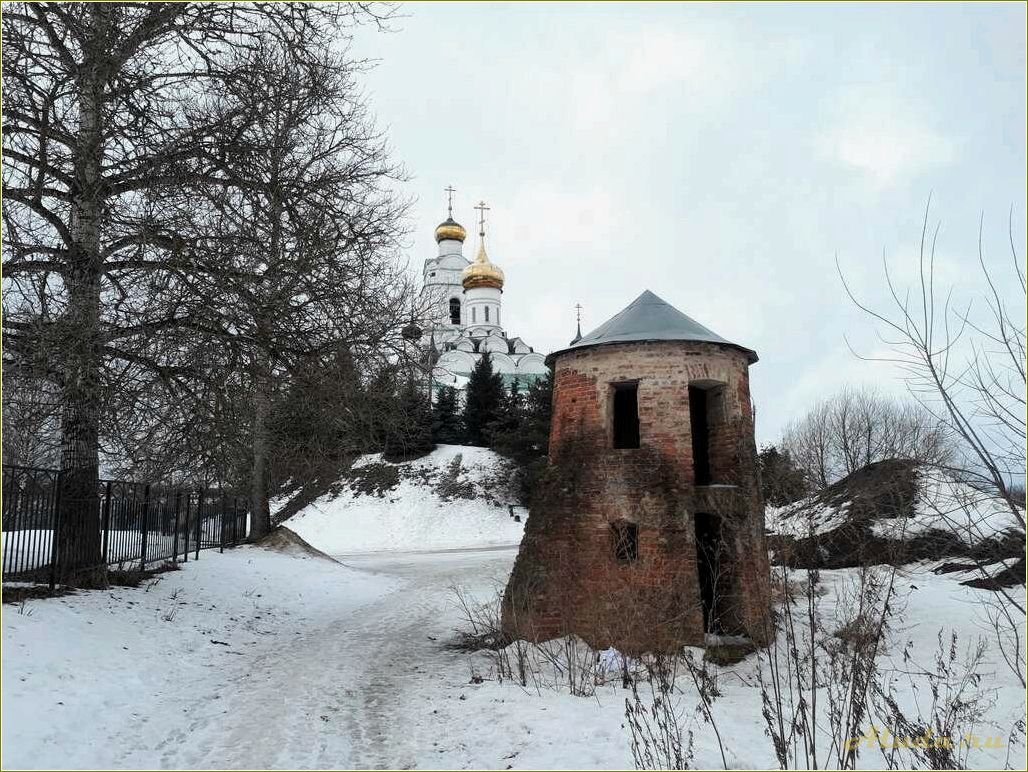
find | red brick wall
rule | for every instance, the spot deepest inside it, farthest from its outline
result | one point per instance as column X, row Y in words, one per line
column 566, row 578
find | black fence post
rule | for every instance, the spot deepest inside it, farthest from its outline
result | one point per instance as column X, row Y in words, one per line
column 185, row 529
column 146, row 527
column 11, row 519
column 55, row 520
column 174, row 536
column 199, row 523
column 224, row 505
column 106, row 522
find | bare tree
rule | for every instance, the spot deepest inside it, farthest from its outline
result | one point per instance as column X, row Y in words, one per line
column 31, row 433
column 303, row 228
column 106, row 132
column 859, row 426
column 964, row 362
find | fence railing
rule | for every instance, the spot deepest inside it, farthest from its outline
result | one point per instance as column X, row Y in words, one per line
column 125, row 524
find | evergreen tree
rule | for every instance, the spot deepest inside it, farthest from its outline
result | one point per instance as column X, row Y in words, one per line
column 781, row 480
column 522, row 433
column 447, row 426
column 483, row 401
column 538, row 411
column 409, row 433
column 504, row 430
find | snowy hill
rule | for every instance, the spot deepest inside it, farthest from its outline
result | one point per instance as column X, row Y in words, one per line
column 455, row 497
column 898, row 512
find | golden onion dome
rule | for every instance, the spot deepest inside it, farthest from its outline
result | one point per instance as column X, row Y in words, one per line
column 482, row 273
column 450, row 229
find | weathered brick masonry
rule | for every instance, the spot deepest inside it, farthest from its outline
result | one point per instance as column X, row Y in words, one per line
column 568, row 577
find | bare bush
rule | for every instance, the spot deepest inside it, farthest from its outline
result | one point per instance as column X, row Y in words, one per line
column 859, row 426
column 935, row 730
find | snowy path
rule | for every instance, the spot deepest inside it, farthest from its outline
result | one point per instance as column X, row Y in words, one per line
column 335, row 699
column 324, row 684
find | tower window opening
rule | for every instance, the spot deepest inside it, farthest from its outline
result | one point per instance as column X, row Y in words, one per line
column 474, row 314
column 625, row 539
column 699, row 423
column 487, row 313
column 454, row 311
column 626, row 415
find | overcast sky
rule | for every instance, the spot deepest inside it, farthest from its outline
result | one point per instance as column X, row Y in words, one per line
column 721, row 156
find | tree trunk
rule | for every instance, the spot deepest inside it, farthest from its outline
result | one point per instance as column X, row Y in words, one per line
column 260, row 507
column 78, row 516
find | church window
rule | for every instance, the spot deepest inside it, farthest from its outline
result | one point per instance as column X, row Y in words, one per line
column 625, row 540
column 474, row 314
column 487, row 313
column 454, row 311
column 626, row 415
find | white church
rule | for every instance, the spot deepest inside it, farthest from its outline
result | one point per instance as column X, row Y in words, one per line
column 463, row 302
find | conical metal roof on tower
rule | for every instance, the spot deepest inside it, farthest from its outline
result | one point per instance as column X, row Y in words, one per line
column 648, row 317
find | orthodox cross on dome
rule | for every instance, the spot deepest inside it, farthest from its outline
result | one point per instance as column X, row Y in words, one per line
column 578, row 313
column 450, row 190
column 482, row 209
column 578, row 323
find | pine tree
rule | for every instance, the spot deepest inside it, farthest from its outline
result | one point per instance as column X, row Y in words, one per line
column 538, row 412
column 409, row 434
column 504, row 431
column 781, row 480
column 522, row 433
column 447, row 426
column 483, row 401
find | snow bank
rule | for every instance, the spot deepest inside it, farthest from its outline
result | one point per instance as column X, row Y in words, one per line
column 938, row 502
column 453, row 498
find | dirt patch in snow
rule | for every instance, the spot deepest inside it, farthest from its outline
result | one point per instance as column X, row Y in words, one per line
column 283, row 540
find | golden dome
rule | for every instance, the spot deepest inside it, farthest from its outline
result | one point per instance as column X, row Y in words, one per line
column 450, row 229
column 482, row 273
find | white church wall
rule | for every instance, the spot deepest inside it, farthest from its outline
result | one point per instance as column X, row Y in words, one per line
column 520, row 347
column 450, row 247
column 532, row 364
column 483, row 309
column 503, row 364
column 457, row 361
column 493, row 343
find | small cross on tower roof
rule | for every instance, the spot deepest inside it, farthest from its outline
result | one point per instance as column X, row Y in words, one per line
column 450, row 190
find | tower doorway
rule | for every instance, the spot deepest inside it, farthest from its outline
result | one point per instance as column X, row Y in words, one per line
column 709, row 566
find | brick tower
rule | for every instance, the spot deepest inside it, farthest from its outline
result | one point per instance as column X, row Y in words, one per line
column 650, row 528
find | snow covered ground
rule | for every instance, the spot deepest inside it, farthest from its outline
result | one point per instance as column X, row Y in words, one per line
column 330, row 665
column 262, row 659
column 416, row 513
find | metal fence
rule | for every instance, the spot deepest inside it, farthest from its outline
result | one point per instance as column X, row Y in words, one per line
column 127, row 524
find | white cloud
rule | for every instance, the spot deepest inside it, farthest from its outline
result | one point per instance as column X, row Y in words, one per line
column 882, row 138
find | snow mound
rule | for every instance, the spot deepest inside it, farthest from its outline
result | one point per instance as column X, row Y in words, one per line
column 283, row 540
column 456, row 497
column 895, row 511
